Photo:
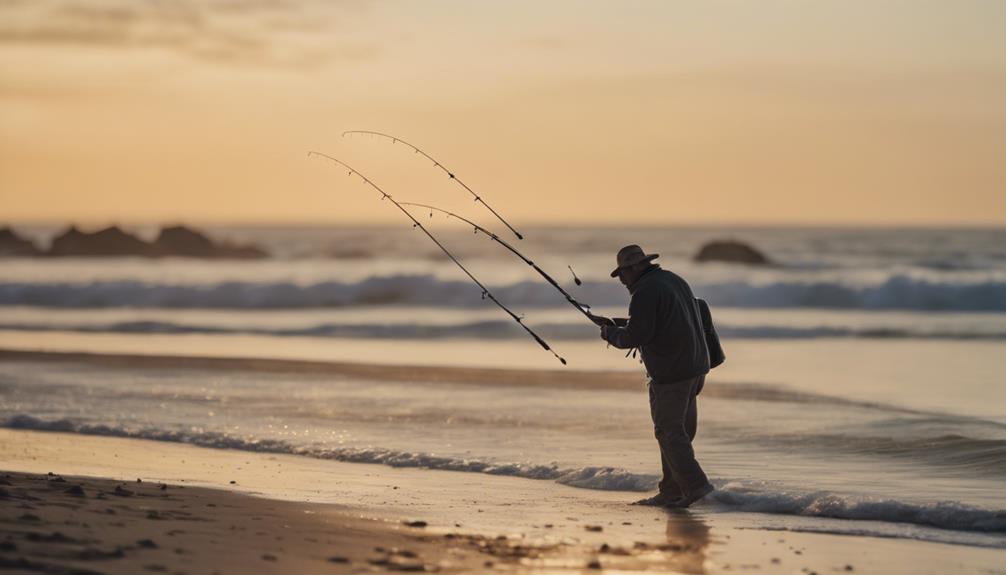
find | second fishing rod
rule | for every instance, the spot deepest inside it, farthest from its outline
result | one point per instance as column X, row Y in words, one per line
column 581, row 307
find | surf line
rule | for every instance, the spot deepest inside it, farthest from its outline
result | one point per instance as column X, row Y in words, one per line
column 450, row 174
column 416, row 224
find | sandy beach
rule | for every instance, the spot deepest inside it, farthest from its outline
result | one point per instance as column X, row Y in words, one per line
column 198, row 510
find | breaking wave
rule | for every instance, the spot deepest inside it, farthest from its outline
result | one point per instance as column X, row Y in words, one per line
column 899, row 292
column 731, row 496
column 492, row 329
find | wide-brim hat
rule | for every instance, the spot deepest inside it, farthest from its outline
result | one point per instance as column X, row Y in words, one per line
column 631, row 255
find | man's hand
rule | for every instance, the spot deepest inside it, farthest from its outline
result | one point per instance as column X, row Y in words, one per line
column 600, row 320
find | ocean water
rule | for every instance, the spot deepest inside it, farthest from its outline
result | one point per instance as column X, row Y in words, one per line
column 863, row 389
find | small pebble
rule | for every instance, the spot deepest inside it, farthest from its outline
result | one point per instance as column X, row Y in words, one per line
column 594, row 528
column 415, row 523
column 594, row 564
column 338, row 559
column 268, row 557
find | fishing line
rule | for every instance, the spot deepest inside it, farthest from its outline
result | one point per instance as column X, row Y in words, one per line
column 416, row 224
column 449, row 173
column 492, row 236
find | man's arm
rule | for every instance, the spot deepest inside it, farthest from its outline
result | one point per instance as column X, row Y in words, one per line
column 641, row 325
column 600, row 320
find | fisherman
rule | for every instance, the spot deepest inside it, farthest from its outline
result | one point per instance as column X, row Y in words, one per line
column 665, row 325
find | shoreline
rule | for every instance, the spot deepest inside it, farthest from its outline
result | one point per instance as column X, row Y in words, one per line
column 564, row 379
column 519, row 525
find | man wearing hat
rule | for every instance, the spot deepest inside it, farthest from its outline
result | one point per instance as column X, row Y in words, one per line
column 665, row 325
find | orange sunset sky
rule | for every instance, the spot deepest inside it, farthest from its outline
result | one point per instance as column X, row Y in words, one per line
column 744, row 112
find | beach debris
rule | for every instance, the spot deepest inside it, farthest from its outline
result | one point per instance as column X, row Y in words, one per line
column 594, row 564
column 138, row 480
column 418, row 523
column 147, row 543
column 593, row 528
column 233, row 482
column 54, row 537
column 268, row 557
column 93, row 553
column 164, row 487
column 848, row 568
column 338, row 559
column 76, row 491
column 122, row 491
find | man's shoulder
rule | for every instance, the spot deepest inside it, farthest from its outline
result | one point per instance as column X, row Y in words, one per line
column 669, row 282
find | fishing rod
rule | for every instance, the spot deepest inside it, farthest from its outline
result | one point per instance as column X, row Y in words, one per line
column 415, row 224
column 579, row 306
column 478, row 198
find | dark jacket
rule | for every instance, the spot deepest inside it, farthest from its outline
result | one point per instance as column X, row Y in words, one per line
column 664, row 323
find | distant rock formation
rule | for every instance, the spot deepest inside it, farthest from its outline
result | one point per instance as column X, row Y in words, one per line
column 110, row 241
column 731, row 251
column 186, row 242
column 12, row 244
column 177, row 241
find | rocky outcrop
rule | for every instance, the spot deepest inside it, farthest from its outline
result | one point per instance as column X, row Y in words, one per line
column 12, row 244
column 174, row 241
column 186, row 242
column 731, row 251
column 110, row 241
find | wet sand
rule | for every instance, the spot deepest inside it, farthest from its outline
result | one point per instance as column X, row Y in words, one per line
column 225, row 511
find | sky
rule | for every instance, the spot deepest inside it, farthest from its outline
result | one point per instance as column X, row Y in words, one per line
column 788, row 112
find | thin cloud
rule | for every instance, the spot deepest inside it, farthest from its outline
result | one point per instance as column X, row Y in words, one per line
column 270, row 32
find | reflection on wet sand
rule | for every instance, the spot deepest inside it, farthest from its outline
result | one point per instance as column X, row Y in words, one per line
column 688, row 537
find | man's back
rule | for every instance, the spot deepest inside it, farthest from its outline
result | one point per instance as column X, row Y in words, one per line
column 664, row 323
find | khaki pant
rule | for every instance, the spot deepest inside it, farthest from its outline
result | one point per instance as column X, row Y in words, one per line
column 675, row 418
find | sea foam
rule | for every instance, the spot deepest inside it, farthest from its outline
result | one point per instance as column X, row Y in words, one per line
column 730, row 496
